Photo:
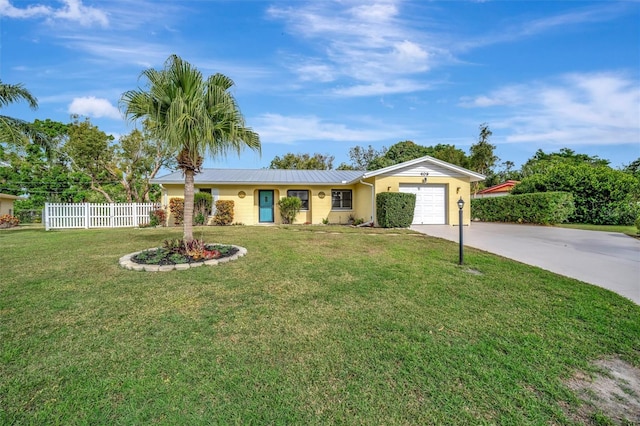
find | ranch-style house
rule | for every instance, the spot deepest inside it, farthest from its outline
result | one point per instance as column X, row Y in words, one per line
column 333, row 195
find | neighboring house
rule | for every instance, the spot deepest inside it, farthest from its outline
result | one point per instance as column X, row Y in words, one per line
column 499, row 190
column 333, row 195
column 6, row 203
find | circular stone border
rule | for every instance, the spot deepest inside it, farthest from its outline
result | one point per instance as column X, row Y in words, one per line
column 127, row 263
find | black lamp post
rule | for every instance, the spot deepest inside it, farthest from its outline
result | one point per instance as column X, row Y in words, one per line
column 460, row 207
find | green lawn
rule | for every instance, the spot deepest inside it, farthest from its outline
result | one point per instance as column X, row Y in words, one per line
column 624, row 229
column 316, row 325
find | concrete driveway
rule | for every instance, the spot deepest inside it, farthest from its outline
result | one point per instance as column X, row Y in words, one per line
column 606, row 259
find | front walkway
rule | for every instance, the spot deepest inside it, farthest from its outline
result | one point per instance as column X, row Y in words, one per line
column 606, row 259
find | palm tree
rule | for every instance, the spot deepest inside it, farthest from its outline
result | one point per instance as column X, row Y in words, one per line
column 193, row 116
column 14, row 130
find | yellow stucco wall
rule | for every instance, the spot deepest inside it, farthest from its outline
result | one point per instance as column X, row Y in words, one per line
column 6, row 206
column 246, row 209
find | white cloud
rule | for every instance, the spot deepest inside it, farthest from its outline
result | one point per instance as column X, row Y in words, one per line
column 577, row 109
column 315, row 72
column 381, row 88
column 408, row 52
column 525, row 28
column 91, row 106
column 73, row 10
column 119, row 50
column 511, row 95
column 276, row 128
column 596, row 13
column 8, row 10
column 377, row 12
column 361, row 43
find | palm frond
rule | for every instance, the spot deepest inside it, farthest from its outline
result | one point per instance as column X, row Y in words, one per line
column 11, row 93
column 192, row 116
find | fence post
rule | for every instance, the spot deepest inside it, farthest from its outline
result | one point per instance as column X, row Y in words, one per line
column 86, row 215
column 45, row 217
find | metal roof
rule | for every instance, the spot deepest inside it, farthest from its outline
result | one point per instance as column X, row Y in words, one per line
column 506, row 186
column 270, row 176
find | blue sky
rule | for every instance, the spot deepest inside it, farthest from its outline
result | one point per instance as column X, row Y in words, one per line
column 324, row 76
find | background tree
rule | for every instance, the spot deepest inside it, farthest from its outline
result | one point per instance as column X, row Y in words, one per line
column 91, row 152
column 633, row 168
column 80, row 164
column 194, row 117
column 40, row 175
column 56, row 135
column 408, row 150
column 507, row 171
column 361, row 158
column 399, row 153
column 542, row 162
column 139, row 158
column 481, row 155
column 450, row 154
column 292, row 161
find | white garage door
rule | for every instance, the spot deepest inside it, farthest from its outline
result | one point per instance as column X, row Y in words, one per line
column 430, row 203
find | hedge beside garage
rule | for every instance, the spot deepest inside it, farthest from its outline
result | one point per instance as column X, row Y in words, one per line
column 395, row 209
column 545, row 208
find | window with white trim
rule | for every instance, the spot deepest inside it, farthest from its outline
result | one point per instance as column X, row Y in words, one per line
column 341, row 199
column 303, row 194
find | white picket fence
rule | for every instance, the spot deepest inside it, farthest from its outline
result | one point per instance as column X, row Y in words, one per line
column 91, row 215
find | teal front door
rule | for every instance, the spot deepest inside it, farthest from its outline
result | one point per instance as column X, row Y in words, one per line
column 266, row 206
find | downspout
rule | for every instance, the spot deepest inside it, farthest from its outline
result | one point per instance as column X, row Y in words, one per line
column 373, row 198
column 164, row 204
column 165, row 199
column 164, row 194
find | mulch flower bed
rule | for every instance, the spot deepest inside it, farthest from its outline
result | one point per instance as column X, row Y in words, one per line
column 173, row 256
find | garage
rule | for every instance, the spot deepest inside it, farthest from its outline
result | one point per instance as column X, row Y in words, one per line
column 430, row 203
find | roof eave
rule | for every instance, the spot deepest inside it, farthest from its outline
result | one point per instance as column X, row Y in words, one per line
column 258, row 183
column 11, row 197
column 473, row 176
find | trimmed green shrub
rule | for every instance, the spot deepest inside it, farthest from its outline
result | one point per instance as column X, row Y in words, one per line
column 544, row 208
column 289, row 208
column 395, row 209
column 224, row 212
column 602, row 195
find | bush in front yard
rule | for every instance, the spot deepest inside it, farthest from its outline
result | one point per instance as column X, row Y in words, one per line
column 8, row 221
column 224, row 212
column 158, row 217
column 544, row 208
column 602, row 195
column 202, row 203
column 289, row 208
column 395, row 209
column 176, row 206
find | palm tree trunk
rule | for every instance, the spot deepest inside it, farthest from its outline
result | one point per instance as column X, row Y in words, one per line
column 188, row 205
